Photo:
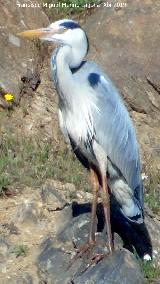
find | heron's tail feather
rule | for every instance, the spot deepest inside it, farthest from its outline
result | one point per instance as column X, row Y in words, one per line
column 134, row 234
column 133, row 211
column 130, row 204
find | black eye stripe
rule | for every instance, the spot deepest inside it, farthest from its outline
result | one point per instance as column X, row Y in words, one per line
column 70, row 25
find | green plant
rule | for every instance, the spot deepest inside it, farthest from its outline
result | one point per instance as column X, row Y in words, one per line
column 60, row 8
column 30, row 162
column 151, row 272
column 4, row 182
column 152, row 199
column 152, row 191
column 20, row 250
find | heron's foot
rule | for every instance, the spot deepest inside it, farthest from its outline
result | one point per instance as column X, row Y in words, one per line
column 86, row 248
column 97, row 258
column 83, row 250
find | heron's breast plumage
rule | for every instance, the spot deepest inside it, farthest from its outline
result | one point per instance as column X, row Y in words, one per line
column 78, row 119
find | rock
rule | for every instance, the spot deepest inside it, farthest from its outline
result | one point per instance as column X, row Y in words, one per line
column 76, row 231
column 53, row 264
column 153, row 226
column 25, row 278
column 16, row 55
column 40, row 117
column 121, row 268
column 62, row 219
column 56, row 266
column 28, row 213
column 66, row 193
column 52, row 198
column 4, row 248
column 11, row 228
column 56, row 263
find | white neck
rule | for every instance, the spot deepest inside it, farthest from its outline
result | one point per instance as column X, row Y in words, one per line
column 77, row 102
column 67, row 58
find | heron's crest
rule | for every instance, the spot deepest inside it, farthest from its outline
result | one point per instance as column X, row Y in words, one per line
column 69, row 24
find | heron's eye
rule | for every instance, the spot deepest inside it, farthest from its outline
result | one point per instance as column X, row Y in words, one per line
column 62, row 29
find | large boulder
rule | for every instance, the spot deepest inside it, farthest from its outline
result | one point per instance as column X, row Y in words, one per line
column 24, row 73
column 57, row 262
column 16, row 55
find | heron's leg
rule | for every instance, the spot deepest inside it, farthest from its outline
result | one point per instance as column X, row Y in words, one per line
column 86, row 248
column 106, row 206
column 101, row 157
column 95, row 188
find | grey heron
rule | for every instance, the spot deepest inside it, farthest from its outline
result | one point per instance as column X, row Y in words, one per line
column 94, row 119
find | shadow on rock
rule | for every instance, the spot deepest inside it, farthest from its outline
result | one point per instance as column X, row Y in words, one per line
column 134, row 236
column 57, row 263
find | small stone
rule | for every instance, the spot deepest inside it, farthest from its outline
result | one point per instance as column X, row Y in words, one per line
column 14, row 40
column 26, row 278
column 52, row 198
column 13, row 230
column 4, row 248
column 28, row 212
column 70, row 187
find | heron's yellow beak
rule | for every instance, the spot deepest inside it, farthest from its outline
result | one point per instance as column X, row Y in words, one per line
column 39, row 33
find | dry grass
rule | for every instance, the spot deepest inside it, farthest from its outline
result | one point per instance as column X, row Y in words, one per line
column 73, row 9
column 30, row 162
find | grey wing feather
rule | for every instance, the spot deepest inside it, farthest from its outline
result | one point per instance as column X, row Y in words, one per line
column 116, row 134
column 113, row 127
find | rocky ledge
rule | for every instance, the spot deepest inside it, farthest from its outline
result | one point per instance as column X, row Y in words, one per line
column 43, row 229
column 57, row 262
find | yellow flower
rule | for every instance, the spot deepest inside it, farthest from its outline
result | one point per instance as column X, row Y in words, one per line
column 8, row 97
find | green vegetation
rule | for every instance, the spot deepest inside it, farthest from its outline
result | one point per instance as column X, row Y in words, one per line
column 67, row 8
column 151, row 272
column 4, row 182
column 152, row 191
column 20, row 250
column 30, row 162
column 152, row 199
